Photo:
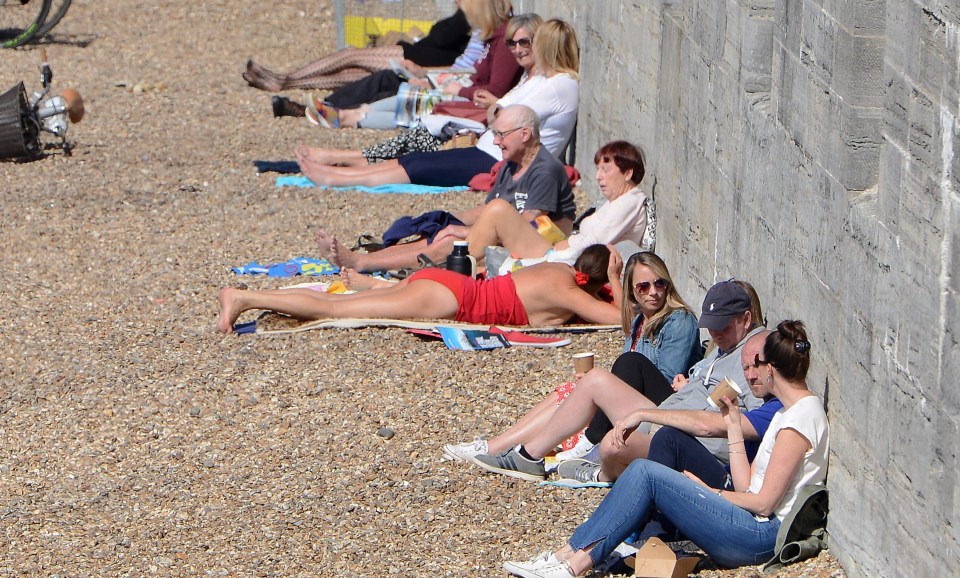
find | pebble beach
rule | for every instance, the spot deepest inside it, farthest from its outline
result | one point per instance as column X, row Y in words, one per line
column 135, row 440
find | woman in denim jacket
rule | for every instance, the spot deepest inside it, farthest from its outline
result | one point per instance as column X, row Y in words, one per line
column 661, row 339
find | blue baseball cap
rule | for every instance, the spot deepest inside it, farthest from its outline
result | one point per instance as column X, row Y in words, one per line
column 723, row 302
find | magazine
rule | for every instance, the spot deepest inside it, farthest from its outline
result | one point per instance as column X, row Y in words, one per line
column 471, row 339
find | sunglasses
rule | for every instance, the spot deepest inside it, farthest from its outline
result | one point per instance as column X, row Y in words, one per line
column 757, row 362
column 502, row 134
column 522, row 43
column 644, row 286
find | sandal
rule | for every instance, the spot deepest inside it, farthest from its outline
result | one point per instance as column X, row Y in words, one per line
column 426, row 262
column 368, row 243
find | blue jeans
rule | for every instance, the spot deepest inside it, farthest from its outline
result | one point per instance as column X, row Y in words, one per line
column 728, row 533
column 680, row 451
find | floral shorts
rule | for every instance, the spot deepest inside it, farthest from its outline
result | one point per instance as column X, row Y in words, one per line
column 417, row 139
column 564, row 391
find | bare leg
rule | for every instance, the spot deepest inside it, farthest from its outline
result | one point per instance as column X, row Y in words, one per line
column 614, row 460
column 524, row 429
column 385, row 173
column 598, row 389
column 359, row 282
column 332, row 157
column 501, row 224
column 407, row 300
column 394, row 257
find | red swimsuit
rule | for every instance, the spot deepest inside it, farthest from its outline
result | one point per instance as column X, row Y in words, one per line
column 489, row 302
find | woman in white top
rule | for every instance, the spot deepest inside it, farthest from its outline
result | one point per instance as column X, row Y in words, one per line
column 735, row 528
column 624, row 217
column 550, row 55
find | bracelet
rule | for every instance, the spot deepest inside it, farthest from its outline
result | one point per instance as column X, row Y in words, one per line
column 736, row 452
column 734, row 443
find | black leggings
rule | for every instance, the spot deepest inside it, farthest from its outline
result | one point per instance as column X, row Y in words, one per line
column 642, row 375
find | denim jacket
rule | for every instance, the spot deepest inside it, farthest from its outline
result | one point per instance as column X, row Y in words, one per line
column 677, row 345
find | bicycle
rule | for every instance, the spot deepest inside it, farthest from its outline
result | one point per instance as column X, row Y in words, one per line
column 23, row 118
column 24, row 20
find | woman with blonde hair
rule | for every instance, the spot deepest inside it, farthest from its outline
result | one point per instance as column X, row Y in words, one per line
column 736, row 527
column 553, row 94
column 661, row 332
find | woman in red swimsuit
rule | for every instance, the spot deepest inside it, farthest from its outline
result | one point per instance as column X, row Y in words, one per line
column 539, row 295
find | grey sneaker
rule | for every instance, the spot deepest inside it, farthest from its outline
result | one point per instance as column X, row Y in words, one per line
column 580, row 470
column 511, row 463
column 539, row 561
column 465, row 452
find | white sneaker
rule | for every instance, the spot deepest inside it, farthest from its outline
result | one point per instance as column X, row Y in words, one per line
column 535, row 563
column 559, row 569
column 465, row 452
column 582, row 448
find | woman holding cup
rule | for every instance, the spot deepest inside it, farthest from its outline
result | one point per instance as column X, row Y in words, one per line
column 734, row 527
column 659, row 326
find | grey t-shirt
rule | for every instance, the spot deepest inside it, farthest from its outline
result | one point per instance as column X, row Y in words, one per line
column 543, row 187
column 704, row 377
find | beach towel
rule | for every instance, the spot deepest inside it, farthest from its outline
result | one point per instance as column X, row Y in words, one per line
column 410, row 189
column 299, row 266
column 270, row 323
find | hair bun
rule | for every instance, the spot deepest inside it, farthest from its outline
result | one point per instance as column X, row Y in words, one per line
column 802, row 346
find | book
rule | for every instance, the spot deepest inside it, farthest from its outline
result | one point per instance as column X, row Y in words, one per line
column 471, row 339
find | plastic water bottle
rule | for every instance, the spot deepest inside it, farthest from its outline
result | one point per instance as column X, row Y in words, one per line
column 460, row 261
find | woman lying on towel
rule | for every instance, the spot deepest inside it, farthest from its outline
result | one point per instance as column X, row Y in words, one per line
column 539, row 295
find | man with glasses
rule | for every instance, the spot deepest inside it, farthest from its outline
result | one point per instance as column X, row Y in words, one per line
column 531, row 179
column 726, row 314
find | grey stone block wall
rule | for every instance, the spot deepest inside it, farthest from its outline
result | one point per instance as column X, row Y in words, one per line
column 812, row 147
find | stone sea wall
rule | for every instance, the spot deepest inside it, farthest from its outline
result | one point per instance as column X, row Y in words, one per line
column 811, row 147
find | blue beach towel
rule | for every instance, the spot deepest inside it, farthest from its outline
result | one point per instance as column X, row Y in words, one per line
column 410, row 189
column 299, row 266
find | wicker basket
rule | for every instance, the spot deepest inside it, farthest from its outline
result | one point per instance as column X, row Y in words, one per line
column 19, row 132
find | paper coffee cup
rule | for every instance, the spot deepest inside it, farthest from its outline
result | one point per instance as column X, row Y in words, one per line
column 583, row 362
column 725, row 388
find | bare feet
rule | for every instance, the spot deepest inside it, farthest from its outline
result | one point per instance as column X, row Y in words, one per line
column 316, row 172
column 331, row 157
column 324, row 244
column 341, row 256
column 359, row 282
column 229, row 310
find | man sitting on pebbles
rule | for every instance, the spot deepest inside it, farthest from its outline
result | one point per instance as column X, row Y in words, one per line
column 532, row 180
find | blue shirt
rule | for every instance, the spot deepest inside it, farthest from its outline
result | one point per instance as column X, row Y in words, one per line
column 677, row 345
column 760, row 419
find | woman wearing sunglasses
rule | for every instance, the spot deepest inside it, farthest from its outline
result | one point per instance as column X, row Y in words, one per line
column 734, row 527
column 551, row 58
column 661, row 341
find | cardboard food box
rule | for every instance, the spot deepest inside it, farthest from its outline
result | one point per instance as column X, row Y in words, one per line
column 656, row 560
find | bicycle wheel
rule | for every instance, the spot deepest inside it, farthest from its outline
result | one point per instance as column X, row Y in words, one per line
column 57, row 9
column 20, row 20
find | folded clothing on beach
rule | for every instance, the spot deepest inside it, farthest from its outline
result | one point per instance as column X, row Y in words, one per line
column 406, row 188
column 284, row 167
column 298, row 266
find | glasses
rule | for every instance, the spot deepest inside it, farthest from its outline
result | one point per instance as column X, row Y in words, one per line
column 522, row 43
column 502, row 134
column 644, row 286
column 757, row 362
